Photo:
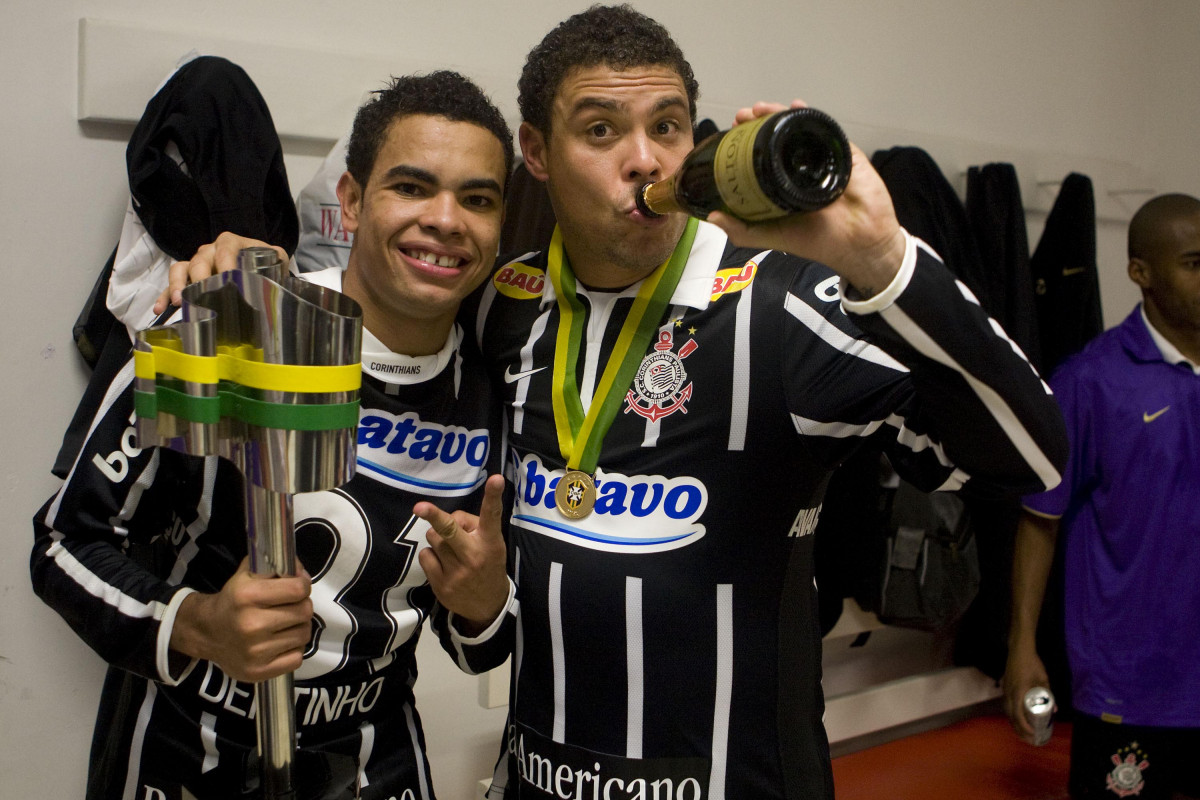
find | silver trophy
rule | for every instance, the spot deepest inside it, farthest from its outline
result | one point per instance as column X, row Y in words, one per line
column 264, row 370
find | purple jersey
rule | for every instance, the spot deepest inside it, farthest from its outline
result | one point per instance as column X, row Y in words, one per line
column 1130, row 508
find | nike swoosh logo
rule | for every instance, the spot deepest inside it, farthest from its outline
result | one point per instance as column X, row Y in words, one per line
column 1073, row 271
column 510, row 376
column 1148, row 417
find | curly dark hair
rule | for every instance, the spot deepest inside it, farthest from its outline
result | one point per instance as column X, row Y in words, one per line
column 616, row 36
column 443, row 93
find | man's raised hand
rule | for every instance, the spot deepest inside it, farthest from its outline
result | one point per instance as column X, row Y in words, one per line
column 465, row 562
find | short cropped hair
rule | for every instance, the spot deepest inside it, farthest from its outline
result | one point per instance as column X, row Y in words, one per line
column 443, row 93
column 615, row 36
column 1151, row 220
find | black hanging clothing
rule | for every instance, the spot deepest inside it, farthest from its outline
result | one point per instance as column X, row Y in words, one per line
column 927, row 206
column 997, row 217
column 234, row 178
column 1065, row 278
column 210, row 115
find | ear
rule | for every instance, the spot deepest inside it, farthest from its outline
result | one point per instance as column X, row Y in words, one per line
column 350, row 196
column 533, row 150
column 1139, row 272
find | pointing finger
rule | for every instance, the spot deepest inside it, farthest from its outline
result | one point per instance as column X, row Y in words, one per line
column 491, row 509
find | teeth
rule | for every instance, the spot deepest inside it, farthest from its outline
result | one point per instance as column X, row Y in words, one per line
column 434, row 258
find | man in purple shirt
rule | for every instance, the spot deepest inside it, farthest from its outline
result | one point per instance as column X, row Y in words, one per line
column 1129, row 506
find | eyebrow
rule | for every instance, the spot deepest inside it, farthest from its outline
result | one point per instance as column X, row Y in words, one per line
column 425, row 176
column 608, row 104
column 481, row 183
column 409, row 171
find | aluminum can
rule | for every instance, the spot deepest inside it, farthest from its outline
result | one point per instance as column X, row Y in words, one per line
column 1039, row 707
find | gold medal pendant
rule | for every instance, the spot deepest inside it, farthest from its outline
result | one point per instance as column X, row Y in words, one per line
column 575, row 496
column 580, row 432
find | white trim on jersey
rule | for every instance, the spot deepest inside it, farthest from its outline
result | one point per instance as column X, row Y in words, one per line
column 890, row 293
column 115, row 389
column 999, row 409
column 554, row 606
column 740, row 403
column 635, row 677
column 139, row 487
column 415, row 744
column 603, row 304
column 162, row 655
column 90, row 583
column 199, row 525
column 485, row 305
column 208, row 738
column 704, row 261
column 518, row 635
column 145, row 712
column 723, row 701
column 998, row 329
column 366, row 739
column 522, row 394
column 836, row 338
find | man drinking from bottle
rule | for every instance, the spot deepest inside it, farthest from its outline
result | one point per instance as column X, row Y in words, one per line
column 676, row 395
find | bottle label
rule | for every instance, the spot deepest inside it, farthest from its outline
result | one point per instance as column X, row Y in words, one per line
column 733, row 170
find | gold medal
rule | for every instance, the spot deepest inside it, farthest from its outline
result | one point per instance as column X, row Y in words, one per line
column 575, row 496
column 581, row 434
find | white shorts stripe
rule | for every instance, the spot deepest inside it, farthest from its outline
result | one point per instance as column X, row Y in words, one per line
column 134, row 768
column 554, row 605
column 635, row 674
column 366, row 745
column 208, row 738
column 724, row 694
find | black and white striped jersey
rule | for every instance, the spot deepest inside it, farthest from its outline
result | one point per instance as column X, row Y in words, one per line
column 130, row 529
column 667, row 644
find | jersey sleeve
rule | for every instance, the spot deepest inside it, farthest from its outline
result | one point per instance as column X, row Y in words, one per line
column 487, row 650
column 936, row 384
column 91, row 538
column 1069, row 387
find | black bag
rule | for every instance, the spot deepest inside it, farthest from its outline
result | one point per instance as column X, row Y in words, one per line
column 931, row 566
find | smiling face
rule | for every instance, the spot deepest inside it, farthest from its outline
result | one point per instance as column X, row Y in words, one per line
column 426, row 228
column 610, row 132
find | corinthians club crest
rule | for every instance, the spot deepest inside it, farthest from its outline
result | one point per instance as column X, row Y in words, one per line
column 1126, row 778
column 658, row 387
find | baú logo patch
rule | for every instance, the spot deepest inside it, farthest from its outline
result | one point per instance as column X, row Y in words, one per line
column 658, row 387
column 728, row 281
column 520, row 281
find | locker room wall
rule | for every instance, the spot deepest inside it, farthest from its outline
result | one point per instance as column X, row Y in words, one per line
column 1081, row 82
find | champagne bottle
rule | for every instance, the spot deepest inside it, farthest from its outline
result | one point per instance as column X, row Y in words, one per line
column 792, row 161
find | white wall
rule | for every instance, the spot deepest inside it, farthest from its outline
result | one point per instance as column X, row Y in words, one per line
column 1092, row 82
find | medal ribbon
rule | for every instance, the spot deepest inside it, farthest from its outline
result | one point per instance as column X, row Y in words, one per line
column 580, row 436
